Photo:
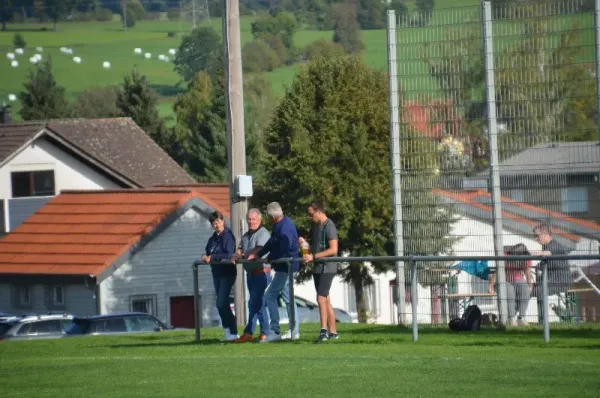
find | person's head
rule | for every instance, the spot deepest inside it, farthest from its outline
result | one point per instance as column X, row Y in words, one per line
column 542, row 234
column 217, row 221
column 518, row 250
column 275, row 211
column 316, row 212
column 253, row 218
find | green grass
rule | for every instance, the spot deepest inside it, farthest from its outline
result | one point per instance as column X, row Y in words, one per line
column 368, row 360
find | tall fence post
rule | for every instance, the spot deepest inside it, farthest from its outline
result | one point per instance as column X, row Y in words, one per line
column 292, row 303
column 488, row 48
column 196, row 302
column 597, row 45
column 545, row 314
column 394, row 105
column 414, row 295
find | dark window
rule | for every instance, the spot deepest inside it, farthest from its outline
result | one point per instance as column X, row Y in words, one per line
column 109, row 325
column 42, row 327
column 2, row 220
column 143, row 303
column 32, row 183
column 22, row 296
column 142, row 324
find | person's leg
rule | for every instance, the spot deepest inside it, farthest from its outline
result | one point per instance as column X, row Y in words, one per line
column 263, row 315
column 321, row 301
column 331, row 319
column 511, row 302
column 227, row 317
column 254, row 302
column 217, row 286
column 522, row 297
column 272, row 293
column 285, row 295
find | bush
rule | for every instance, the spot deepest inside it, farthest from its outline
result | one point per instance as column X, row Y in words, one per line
column 83, row 16
column 171, row 34
column 17, row 17
column 19, row 41
column 323, row 48
column 276, row 44
column 103, row 15
column 173, row 14
column 153, row 16
column 257, row 56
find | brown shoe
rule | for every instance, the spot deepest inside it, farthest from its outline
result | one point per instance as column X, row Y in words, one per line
column 246, row 338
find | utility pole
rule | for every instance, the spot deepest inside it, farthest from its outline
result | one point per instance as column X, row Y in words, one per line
column 236, row 145
column 193, row 14
column 124, row 2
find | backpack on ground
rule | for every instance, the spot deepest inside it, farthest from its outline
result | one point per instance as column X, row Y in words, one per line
column 470, row 320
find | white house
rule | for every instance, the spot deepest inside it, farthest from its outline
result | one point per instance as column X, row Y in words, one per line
column 97, row 252
column 40, row 159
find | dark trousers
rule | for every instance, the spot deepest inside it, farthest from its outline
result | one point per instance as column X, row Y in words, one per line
column 223, row 285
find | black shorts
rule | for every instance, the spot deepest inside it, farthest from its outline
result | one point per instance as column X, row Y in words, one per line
column 323, row 283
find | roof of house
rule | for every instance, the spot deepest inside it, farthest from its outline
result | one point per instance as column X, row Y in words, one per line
column 553, row 158
column 218, row 193
column 521, row 217
column 88, row 232
column 116, row 145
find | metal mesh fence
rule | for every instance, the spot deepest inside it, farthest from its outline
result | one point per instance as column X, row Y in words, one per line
column 545, row 121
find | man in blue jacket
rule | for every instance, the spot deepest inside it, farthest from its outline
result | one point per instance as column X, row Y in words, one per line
column 283, row 243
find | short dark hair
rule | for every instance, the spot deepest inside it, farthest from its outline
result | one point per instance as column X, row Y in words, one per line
column 544, row 228
column 215, row 215
column 317, row 205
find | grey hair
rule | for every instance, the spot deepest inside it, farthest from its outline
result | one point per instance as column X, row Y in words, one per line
column 255, row 211
column 274, row 209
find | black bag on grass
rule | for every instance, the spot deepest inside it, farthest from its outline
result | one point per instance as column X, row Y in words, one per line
column 470, row 320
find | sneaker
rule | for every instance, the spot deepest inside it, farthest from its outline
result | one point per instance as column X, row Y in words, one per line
column 233, row 337
column 322, row 337
column 288, row 335
column 333, row 336
column 270, row 338
column 246, row 338
column 262, row 337
column 521, row 322
column 227, row 335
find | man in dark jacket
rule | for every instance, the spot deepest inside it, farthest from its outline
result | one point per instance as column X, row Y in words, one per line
column 283, row 244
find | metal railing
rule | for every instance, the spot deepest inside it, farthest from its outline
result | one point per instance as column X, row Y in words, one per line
column 413, row 262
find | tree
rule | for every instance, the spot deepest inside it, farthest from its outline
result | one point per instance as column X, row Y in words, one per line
column 257, row 57
column 401, row 9
column 425, row 10
column 346, row 30
column 200, row 51
column 131, row 12
column 6, row 12
column 57, row 9
column 283, row 24
column 19, row 41
column 370, row 14
column 96, row 102
column 43, row 98
column 340, row 106
column 137, row 100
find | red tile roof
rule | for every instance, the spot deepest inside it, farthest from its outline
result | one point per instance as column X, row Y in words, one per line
column 218, row 193
column 85, row 232
column 471, row 198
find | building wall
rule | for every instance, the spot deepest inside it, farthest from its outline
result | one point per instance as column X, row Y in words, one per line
column 69, row 173
column 79, row 301
column 163, row 269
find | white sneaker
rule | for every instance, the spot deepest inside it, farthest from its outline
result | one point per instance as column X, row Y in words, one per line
column 288, row 335
column 233, row 337
column 521, row 322
column 271, row 337
column 227, row 335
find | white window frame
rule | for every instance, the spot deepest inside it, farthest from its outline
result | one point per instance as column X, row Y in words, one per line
column 150, row 300
column 55, row 301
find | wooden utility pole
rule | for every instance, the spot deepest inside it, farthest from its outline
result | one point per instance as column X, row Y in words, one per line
column 236, row 145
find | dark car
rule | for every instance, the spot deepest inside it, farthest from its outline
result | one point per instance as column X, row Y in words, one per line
column 131, row 322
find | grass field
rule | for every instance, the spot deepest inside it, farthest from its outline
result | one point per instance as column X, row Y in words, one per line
column 368, row 360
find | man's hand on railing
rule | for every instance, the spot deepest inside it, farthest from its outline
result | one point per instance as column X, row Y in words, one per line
column 251, row 256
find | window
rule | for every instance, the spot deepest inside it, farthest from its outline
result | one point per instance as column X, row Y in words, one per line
column 110, row 325
column 32, row 183
column 142, row 324
column 373, row 299
column 574, row 200
column 58, row 295
column 518, row 195
column 22, row 296
column 143, row 303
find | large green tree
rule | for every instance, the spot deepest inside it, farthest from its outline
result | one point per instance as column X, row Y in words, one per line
column 329, row 140
column 57, row 10
column 96, row 102
column 6, row 12
column 137, row 100
column 200, row 51
column 346, row 30
column 43, row 98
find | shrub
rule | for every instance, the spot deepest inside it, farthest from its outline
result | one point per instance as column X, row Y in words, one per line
column 171, row 34
column 19, row 41
column 103, row 15
column 322, row 48
column 173, row 14
column 257, row 56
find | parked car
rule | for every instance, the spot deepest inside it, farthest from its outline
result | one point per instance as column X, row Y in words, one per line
column 130, row 322
column 38, row 327
column 307, row 312
column 7, row 323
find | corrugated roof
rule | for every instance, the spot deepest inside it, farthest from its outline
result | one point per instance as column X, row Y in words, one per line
column 85, row 232
column 218, row 193
column 553, row 158
column 118, row 144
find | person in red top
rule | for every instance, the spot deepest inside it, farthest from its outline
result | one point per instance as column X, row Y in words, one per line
column 518, row 284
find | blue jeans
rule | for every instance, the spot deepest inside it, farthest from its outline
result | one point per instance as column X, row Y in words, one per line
column 279, row 286
column 223, row 285
column 257, row 308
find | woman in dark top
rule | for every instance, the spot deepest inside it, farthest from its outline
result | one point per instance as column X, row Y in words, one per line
column 221, row 247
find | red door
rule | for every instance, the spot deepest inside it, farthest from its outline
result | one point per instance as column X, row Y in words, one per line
column 182, row 311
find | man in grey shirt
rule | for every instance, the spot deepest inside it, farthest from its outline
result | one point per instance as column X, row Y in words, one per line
column 259, row 277
column 324, row 244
